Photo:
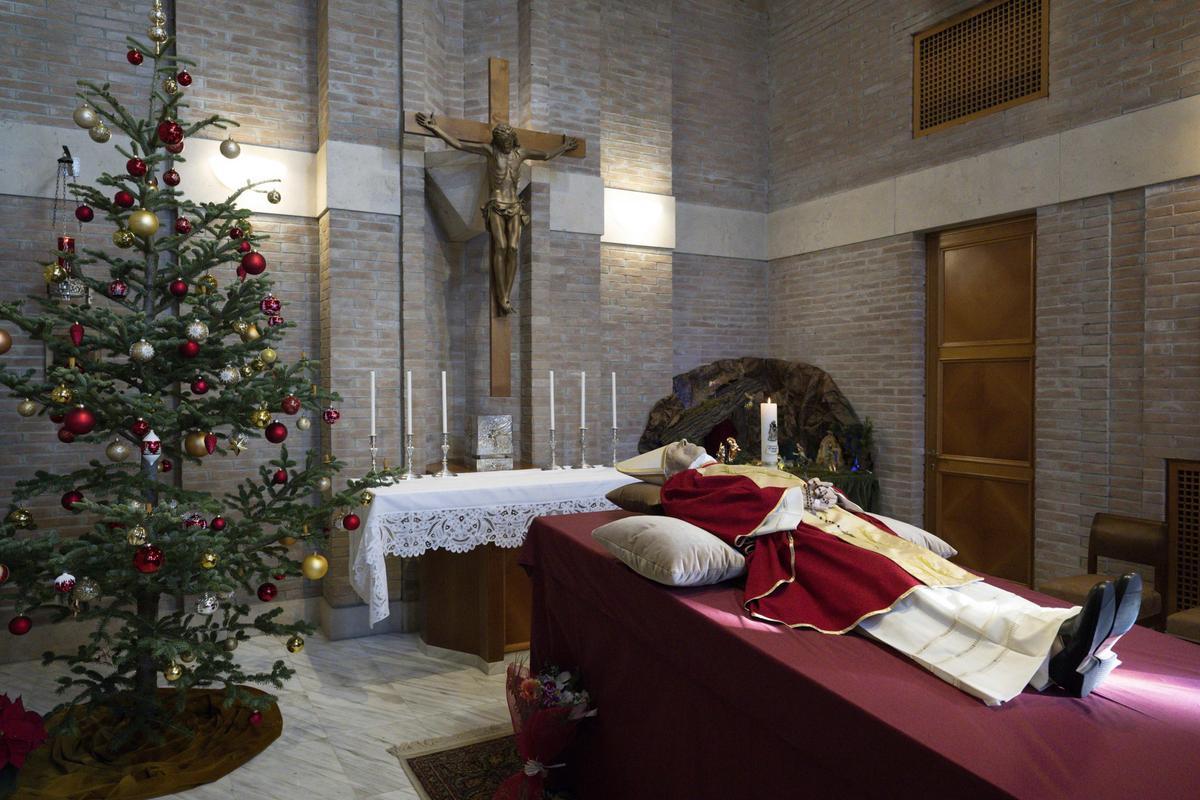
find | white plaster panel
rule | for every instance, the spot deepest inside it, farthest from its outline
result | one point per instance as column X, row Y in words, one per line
column 725, row 232
column 576, row 199
column 1001, row 181
column 641, row 219
column 1156, row 144
column 857, row 215
column 361, row 177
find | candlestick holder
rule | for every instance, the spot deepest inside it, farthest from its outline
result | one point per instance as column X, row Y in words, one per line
column 409, row 452
column 614, row 446
column 583, row 464
column 554, row 465
column 446, row 473
column 374, row 451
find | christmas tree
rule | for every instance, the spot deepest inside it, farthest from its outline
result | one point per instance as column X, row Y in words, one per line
column 169, row 370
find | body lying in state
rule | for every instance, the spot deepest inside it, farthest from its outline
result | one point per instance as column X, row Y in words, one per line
column 816, row 560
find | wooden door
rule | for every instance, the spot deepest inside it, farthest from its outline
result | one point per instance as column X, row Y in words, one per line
column 979, row 390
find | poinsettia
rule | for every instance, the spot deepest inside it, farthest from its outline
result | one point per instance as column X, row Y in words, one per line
column 21, row 732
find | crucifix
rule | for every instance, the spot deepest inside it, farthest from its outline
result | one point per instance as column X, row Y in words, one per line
column 505, row 149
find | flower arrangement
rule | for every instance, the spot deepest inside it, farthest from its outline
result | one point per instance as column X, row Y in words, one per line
column 545, row 708
column 21, row 732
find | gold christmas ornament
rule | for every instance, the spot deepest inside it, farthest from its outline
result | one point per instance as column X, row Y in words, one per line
column 5, row 341
column 100, row 133
column 274, row 196
column 268, row 355
column 238, row 444
column 196, row 331
column 240, row 326
column 143, row 223
column 193, row 444
column 208, row 560
column 170, row 86
column 247, row 228
column 324, row 484
column 27, row 408
column 61, row 394
column 228, row 375
column 247, row 371
column 123, row 239
column 304, row 423
column 85, row 116
column 230, row 148
column 287, row 541
column 20, row 518
column 118, row 451
column 152, row 183
column 55, row 273
column 141, row 351
column 230, row 644
column 366, row 497
column 136, row 536
column 260, row 417
column 206, row 284
column 295, row 644
column 173, row 672
column 251, row 333
column 314, row 566
column 258, row 365
column 187, row 656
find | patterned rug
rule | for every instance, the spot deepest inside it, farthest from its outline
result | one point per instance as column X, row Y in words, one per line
column 469, row 766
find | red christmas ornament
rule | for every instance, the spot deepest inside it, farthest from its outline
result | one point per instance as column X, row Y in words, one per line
column 331, row 415
column 274, row 320
column 71, row 498
column 241, row 272
column 19, row 626
column 218, row 523
column 84, row 213
column 148, row 559
column 254, row 263
column 290, row 404
column 76, row 333
column 280, row 477
column 276, row 432
column 135, row 167
column 210, row 442
column 235, row 232
column 169, row 132
column 183, row 225
column 118, row 289
column 3, row 574
column 134, row 57
column 267, row 592
column 194, row 520
column 255, row 719
column 64, row 583
column 244, row 246
column 57, row 418
column 199, row 386
column 270, row 305
column 123, row 198
column 65, row 436
column 189, row 349
column 171, row 178
column 175, row 149
column 184, row 78
column 79, row 421
column 178, row 287
column 165, row 465
column 139, row 428
column 351, row 522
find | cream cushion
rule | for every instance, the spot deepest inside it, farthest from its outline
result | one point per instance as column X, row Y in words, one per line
column 918, row 536
column 670, row 551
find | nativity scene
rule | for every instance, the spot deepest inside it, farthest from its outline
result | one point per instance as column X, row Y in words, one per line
column 499, row 400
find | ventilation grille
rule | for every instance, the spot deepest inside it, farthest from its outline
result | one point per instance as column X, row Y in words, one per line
column 1183, row 520
column 988, row 59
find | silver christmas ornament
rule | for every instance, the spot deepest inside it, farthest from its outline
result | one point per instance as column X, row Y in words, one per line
column 230, row 148
column 231, row 644
column 85, row 116
column 196, row 331
column 100, row 133
column 135, row 506
column 228, row 375
column 141, row 351
column 27, row 408
column 324, row 484
column 274, row 196
column 118, row 451
column 207, row 604
column 86, row 590
column 304, row 423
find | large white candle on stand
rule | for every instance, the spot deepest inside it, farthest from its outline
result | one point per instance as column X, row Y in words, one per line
column 768, row 415
column 583, row 399
column 445, row 429
column 408, row 402
column 372, row 402
column 551, row 399
column 614, row 398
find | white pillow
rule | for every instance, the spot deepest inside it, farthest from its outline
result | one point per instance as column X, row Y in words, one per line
column 922, row 538
column 670, row 551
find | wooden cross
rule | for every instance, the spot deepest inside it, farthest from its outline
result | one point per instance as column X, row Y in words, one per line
column 472, row 131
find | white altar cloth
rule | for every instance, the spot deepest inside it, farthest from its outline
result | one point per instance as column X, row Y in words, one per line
column 459, row 514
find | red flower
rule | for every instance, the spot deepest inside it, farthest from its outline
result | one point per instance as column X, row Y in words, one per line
column 531, row 689
column 21, row 732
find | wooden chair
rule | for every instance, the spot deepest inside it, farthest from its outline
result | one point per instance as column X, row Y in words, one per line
column 1185, row 624
column 1141, row 541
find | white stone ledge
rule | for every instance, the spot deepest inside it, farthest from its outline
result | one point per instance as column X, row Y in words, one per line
column 1141, row 148
column 640, row 219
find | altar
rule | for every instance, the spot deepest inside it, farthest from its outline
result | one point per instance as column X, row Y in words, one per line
column 474, row 597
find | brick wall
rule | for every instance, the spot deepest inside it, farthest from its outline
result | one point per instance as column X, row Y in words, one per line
column 719, row 310
column 841, row 84
column 857, row 312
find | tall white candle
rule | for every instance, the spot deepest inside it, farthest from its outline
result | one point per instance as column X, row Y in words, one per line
column 372, row 402
column 768, row 417
column 445, row 428
column 551, row 399
column 408, row 402
column 614, row 398
column 583, row 399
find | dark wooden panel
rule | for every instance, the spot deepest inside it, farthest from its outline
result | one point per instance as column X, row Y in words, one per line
column 518, row 603
column 986, row 408
column 989, row 522
column 987, row 293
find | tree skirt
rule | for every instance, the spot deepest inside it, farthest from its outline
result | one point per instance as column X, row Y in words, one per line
column 70, row 768
column 470, row 766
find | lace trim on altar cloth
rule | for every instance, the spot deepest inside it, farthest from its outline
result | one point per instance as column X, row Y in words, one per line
column 410, row 533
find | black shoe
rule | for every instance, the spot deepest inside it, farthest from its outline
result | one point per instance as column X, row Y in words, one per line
column 1082, row 635
column 1129, row 605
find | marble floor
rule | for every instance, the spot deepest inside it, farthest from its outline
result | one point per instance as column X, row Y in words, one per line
column 348, row 703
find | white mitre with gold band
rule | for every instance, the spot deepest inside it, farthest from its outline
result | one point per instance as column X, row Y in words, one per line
column 658, row 465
